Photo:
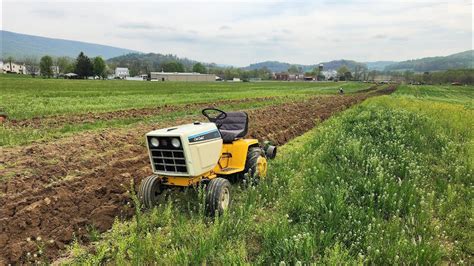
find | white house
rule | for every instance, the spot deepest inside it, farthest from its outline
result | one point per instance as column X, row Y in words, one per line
column 121, row 72
column 14, row 68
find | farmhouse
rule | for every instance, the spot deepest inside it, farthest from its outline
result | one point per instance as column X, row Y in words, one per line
column 14, row 68
column 281, row 76
column 121, row 72
column 169, row 76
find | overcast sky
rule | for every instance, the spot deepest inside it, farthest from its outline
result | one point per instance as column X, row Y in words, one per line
column 243, row 32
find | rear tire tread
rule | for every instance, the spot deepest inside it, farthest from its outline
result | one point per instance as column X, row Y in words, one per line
column 251, row 163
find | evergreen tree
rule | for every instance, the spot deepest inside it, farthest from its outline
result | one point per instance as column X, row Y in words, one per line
column 84, row 67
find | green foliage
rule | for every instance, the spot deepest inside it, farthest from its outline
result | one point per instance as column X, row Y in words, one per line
column 344, row 73
column 139, row 63
column 83, row 67
column 99, row 67
column 46, row 64
column 463, row 76
column 65, row 64
column 172, row 66
column 383, row 183
column 199, row 68
column 294, row 69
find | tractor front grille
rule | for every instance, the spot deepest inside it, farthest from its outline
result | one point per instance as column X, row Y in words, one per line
column 167, row 158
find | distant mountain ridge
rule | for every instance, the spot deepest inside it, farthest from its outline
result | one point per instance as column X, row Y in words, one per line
column 379, row 65
column 20, row 46
column 438, row 63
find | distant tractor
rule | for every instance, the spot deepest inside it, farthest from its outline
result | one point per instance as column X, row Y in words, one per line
column 204, row 153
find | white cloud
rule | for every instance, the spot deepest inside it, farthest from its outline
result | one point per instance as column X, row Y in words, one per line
column 244, row 32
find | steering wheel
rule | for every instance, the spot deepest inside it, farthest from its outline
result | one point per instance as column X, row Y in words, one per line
column 206, row 112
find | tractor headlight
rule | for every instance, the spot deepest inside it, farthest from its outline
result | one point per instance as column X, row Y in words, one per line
column 175, row 142
column 154, row 142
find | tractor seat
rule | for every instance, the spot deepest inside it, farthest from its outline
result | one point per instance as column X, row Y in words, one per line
column 234, row 126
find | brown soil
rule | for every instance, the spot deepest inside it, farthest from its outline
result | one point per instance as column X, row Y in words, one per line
column 56, row 190
column 59, row 120
column 371, row 88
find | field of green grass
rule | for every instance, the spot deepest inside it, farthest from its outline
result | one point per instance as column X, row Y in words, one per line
column 441, row 93
column 389, row 181
column 28, row 98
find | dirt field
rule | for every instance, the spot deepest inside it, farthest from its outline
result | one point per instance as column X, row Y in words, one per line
column 55, row 190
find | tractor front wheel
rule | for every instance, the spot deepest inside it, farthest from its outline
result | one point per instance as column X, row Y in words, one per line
column 217, row 196
column 149, row 191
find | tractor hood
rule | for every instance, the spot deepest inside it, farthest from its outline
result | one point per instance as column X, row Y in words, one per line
column 186, row 150
column 194, row 132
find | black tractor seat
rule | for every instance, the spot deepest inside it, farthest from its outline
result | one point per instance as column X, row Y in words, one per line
column 234, row 126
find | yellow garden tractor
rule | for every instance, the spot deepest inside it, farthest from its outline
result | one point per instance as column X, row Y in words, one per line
column 207, row 154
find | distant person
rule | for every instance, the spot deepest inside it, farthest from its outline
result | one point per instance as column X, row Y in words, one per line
column 341, row 91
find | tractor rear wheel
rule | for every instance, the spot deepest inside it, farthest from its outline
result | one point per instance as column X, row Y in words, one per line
column 217, row 196
column 255, row 165
column 149, row 191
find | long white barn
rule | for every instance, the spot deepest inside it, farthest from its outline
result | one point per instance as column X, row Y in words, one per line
column 170, row 76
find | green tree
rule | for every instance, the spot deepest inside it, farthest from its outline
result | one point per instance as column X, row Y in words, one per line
column 293, row 70
column 64, row 64
column 84, row 67
column 199, row 68
column 46, row 64
column 99, row 67
column 172, row 66
column 342, row 71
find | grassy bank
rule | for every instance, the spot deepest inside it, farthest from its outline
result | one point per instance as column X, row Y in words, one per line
column 386, row 182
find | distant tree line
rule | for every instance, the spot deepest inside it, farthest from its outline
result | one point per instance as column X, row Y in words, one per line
column 48, row 66
column 86, row 67
column 463, row 76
